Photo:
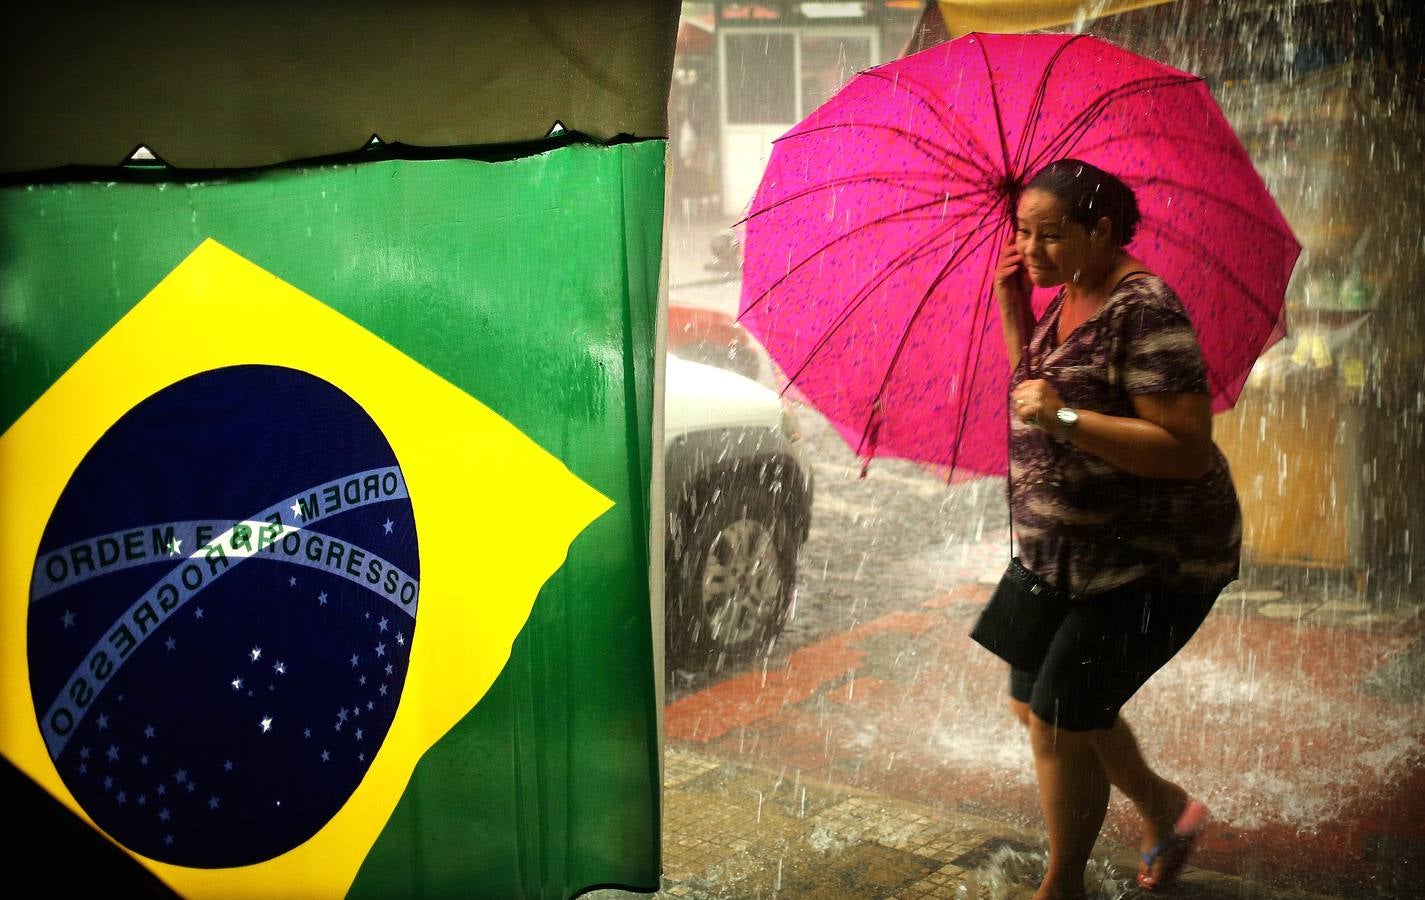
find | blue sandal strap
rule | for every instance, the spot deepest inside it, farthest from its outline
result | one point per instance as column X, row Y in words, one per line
column 1163, row 846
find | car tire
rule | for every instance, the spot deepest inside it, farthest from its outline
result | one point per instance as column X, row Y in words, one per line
column 730, row 578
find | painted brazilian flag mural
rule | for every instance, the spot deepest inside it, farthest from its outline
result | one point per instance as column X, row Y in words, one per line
column 324, row 522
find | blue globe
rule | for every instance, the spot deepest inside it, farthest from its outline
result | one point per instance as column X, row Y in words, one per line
column 221, row 615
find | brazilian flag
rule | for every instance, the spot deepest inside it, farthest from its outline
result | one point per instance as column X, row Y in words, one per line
column 324, row 518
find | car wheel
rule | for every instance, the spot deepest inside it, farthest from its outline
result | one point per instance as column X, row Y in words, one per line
column 731, row 585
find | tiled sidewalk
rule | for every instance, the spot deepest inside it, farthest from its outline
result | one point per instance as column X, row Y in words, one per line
column 734, row 831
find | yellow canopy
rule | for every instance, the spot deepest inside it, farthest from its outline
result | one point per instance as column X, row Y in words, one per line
column 965, row 16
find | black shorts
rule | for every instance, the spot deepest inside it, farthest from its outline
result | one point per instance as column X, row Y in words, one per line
column 1106, row 649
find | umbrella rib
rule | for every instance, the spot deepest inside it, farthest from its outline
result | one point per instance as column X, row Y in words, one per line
column 1026, row 137
column 955, row 259
column 969, row 140
column 1174, row 140
column 852, row 233
column 994, row 98
column 910, row 255
column 1203, row 193
column 1084, row 119
column 1186, row 241
column 971, row 369
column 863, row 178
column 920, row 143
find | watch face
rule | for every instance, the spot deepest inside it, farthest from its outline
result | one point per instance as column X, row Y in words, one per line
column 1067, row 416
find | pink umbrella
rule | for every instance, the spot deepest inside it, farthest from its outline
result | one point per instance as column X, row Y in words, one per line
column 871, row 242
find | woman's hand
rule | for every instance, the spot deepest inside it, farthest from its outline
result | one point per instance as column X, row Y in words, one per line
column 1012, row 285
column 1012, row 289
column 1035, row 402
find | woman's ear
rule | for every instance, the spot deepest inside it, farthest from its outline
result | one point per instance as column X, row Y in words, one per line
column 1103, row 231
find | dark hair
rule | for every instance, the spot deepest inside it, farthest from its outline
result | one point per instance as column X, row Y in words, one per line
column 1088, row 194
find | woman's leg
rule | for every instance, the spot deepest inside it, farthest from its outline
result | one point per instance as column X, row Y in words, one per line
column 1073, row 792
column 1157, row 800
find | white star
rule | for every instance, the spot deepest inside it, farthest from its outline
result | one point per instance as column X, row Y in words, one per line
column 113, row 753
column 170, row 644
column 401, row 638
column 143, row 760
column 353, row 660
column 143, row 800
column 389, row 668
column 358, row 734
column 174, row 546
column 163, row 814
column 388, row 525
column 266, row 724
column 212, row 802
column 361, row 681
column 326, row 757
column 383, row 690
column 296, row 510
column 280, row 667
column 292, row 582
column 180, row 776
column 162, row 789
column 227, row 765
column 121, row 798
column 381, row 625
column 306, row 732
column 198, row 613
column 168, row 839
column 83, row 752
column 103, row 721
column 256, row 654
column 322, row 598
column 380, row 649
column 148, row 732
column 68, row 619
column 341, row 714
column 237, row 684
column 108, row 782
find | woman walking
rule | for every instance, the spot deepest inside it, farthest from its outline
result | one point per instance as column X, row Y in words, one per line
column 1119, row 499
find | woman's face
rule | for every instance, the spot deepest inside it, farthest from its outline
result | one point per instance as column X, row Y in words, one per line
column 1055, row 250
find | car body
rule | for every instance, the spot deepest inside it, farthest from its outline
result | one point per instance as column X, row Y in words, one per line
column 713, row 337
column 739, row 492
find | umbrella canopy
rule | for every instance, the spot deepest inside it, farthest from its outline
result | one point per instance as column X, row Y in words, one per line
column 871, row 241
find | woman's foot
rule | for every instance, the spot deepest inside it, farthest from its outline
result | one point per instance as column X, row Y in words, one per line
column 1167, row 847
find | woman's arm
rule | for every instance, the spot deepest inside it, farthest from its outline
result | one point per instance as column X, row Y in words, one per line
column 1171, row 438
column 1012, row 290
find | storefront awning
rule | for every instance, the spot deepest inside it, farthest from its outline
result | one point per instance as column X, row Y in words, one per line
column 965, row 16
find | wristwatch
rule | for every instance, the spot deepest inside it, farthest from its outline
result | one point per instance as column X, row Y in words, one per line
column 1068, row 418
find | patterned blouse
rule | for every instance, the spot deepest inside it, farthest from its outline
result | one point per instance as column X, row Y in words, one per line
column 1084, row 524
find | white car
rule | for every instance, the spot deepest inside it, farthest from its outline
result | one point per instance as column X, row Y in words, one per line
column 739, row 493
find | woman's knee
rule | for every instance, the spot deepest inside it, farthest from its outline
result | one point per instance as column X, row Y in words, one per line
column 1049, row 738
column 1020, row 710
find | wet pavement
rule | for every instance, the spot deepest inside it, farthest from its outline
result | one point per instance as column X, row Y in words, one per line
column 880, row 761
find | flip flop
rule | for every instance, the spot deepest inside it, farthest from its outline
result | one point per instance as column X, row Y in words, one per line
column 1186, row 832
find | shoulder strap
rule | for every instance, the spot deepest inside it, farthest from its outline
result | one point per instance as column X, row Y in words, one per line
column 1128, row 276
